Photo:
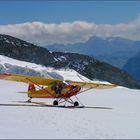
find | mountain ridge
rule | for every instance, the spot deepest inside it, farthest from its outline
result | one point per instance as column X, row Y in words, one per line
column 113, row 50
column 85, row 65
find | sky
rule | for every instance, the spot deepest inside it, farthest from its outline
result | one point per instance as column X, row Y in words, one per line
column 100, row 12
column 69, row 21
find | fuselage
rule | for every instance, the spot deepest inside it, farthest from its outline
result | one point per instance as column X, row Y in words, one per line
column 66, row 92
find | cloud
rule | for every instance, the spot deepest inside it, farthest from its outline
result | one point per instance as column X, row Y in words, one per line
column 70, row 32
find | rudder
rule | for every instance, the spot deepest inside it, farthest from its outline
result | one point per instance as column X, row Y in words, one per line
column 31, row 89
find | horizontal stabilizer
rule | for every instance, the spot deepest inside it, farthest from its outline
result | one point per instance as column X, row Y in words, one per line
column 22, row 92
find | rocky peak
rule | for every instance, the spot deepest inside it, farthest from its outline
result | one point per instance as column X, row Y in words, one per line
column 22, row 50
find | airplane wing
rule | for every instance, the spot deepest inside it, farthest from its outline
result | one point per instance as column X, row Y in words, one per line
column 45, row 81
column 28, row 79
column 94, row 85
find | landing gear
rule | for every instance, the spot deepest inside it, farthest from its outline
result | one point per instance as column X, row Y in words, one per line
column 76, row 103
column 55, row 102
column 68, row 100
column 29, row 100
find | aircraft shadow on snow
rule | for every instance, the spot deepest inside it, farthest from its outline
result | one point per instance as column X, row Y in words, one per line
column 40, row 105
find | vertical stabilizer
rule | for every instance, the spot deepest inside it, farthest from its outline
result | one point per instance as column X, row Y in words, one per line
column 31, row 88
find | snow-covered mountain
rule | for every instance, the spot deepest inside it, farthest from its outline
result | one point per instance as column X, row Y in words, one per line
column 85, row 65
column 9, row 65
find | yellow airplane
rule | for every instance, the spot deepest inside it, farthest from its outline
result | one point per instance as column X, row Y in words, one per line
column 61, row 91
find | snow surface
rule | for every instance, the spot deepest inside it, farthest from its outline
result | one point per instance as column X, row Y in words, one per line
column 110, row 113
column 122, row 121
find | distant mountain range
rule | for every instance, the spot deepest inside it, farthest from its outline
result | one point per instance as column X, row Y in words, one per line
column 115, row 51
column 133, row 67
column 84, row 65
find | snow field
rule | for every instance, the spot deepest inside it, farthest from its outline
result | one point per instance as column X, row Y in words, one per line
column 122, row 121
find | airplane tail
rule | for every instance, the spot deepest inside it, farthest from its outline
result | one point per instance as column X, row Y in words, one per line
column 31, row 88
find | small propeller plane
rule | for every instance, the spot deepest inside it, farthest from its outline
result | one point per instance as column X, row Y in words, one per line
column 61, row 91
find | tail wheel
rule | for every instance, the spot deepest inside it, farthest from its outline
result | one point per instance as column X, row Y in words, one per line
column 76, row 103
column 55, row 102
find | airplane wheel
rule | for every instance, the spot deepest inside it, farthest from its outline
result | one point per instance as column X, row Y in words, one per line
column 76, row 103
column 55, row 102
